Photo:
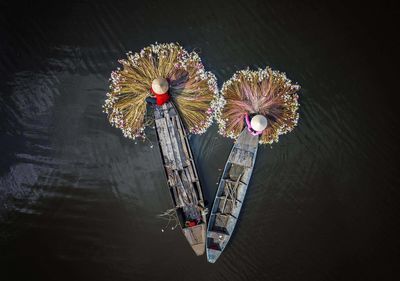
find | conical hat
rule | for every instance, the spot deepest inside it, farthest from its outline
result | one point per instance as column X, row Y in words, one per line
column 160, row 86
column 259, row 122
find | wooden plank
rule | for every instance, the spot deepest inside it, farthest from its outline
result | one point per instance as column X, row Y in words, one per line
column 175, row 144
column 192, row 173
column 241, row 157
column 200, row 201
column 194, row 169
column 179, row 199
column 171, row 177
column 162, row 139
column 182, row 190
column 186, row 146
column 165, row 137
column 166, row 147
column 187, row 184
column 187, row 143
column 168, row 115
column 178, row 203
column 188, row 173
column 182, row 136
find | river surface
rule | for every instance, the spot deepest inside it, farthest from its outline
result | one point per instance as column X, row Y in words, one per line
column 78, row 201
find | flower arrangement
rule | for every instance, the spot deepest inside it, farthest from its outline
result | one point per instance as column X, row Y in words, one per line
column 265, row 92
column 193, row 90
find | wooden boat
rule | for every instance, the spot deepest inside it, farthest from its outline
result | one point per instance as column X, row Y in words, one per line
column 181, row 173
column 230, row 194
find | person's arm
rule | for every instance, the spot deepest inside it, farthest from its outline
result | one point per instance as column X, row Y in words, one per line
column 246, row 117
column 150, row 100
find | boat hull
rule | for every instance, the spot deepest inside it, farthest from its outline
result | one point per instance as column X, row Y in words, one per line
column 230, row 194
column 181, row 174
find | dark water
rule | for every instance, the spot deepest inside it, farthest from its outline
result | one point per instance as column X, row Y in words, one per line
column 78, row 201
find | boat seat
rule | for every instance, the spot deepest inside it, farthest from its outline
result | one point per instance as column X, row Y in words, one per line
column 241, row 157
column 224, row 215
column 226, row 222
column 216, row 234
column 246, row 147
column 212, row 250
column 234, row 182
column 225, row 198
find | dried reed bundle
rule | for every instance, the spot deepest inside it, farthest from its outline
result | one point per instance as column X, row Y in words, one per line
column 194, row 91
column 265, row 92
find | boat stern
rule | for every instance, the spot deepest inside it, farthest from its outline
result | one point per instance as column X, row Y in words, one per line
column 199, row 249
column 196, row 236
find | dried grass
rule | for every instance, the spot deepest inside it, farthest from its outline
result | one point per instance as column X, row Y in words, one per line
column 265, row 92
column 194, row 91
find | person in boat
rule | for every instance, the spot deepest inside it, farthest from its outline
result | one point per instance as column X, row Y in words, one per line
column 192, row 222
column 256, row 123
column 159, row 88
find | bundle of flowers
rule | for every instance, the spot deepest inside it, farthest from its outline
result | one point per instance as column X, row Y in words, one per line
column 193, row 90
column 265, row 92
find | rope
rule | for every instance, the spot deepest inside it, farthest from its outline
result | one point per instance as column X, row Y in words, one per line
column 169, row 215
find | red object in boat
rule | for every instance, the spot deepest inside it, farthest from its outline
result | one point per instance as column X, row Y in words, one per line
column 161, row 98
column 191, row 223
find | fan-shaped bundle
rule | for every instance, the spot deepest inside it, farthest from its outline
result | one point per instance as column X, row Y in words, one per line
column 264, row 91
column 193, row 90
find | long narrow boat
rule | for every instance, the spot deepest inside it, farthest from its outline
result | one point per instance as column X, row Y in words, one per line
column 182, row 177
column 230, row 194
